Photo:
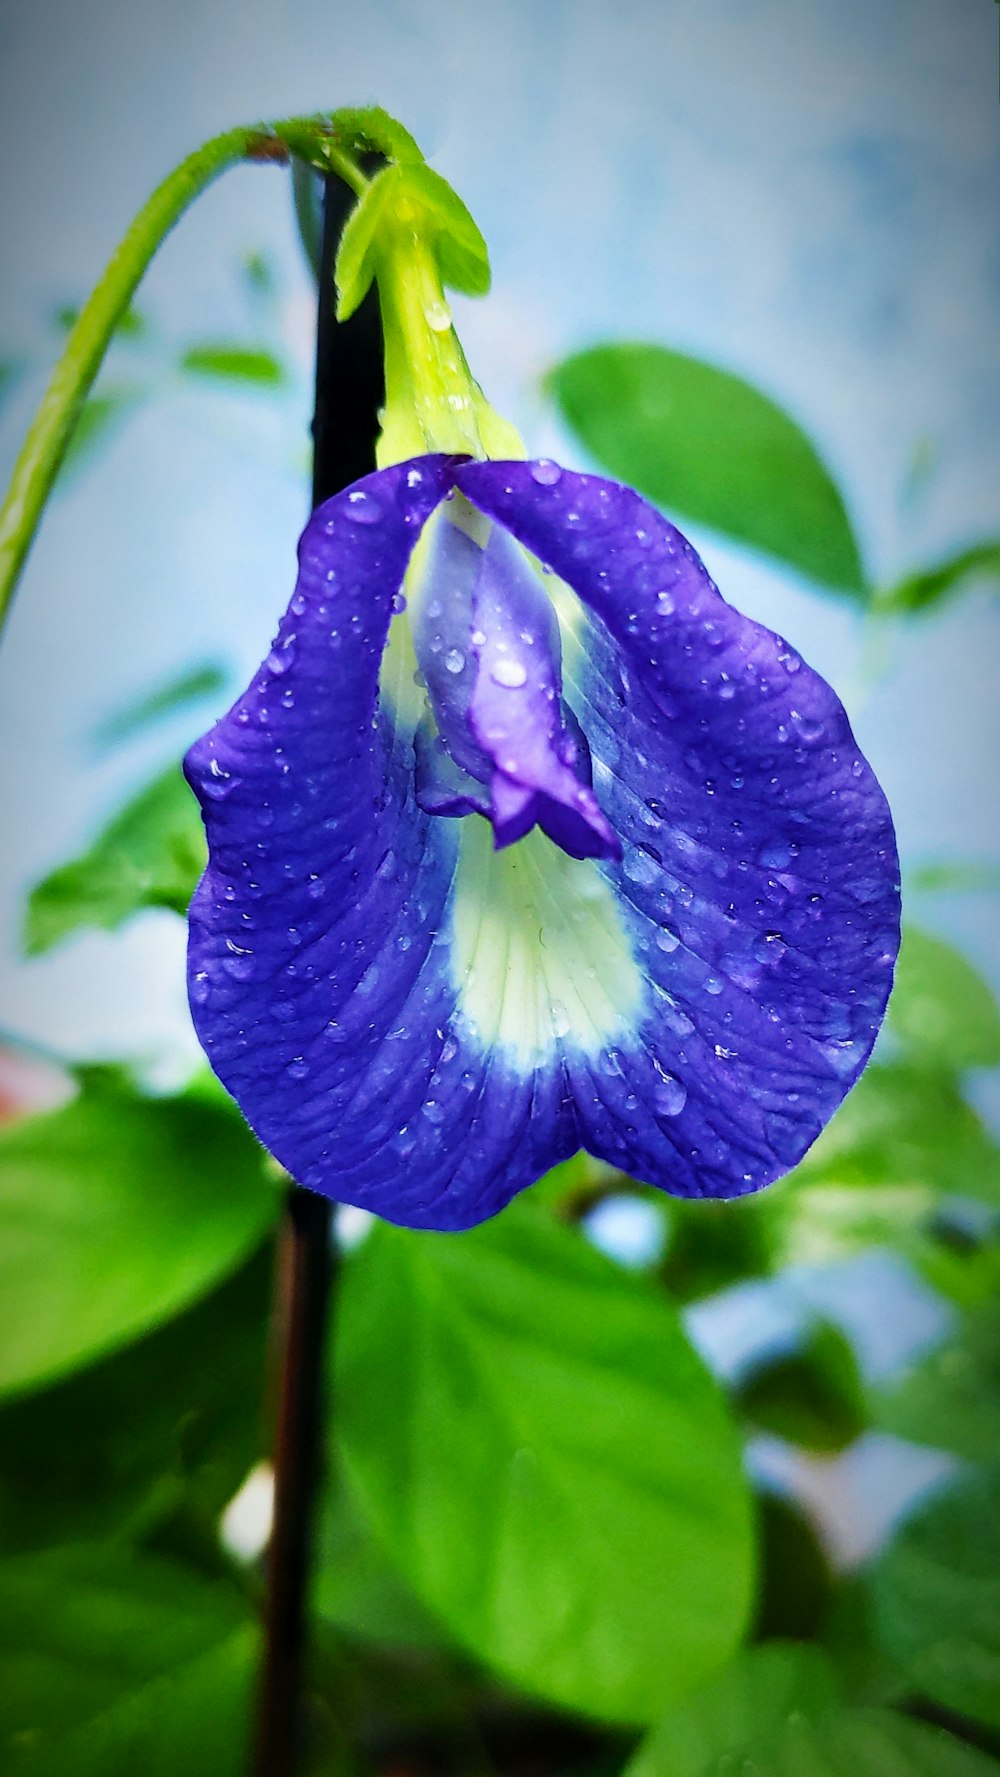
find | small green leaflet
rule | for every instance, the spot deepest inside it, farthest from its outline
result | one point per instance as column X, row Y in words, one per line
column 150, row 855
column 929, row 588
column 229, row 362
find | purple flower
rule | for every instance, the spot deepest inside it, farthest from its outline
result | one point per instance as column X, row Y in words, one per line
column 550, row 860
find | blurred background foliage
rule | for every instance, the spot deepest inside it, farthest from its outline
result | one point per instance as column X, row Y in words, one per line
column 584, row 1505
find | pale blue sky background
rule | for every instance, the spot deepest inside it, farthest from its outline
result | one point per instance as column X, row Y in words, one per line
column 806, row 192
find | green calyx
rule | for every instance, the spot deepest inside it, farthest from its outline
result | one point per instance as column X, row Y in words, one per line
column 413, row 237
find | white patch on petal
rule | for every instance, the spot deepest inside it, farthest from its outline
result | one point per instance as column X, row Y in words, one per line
column 538, row 952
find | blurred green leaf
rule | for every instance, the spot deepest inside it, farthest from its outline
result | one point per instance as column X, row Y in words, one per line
column 99, row 419
column 795, row 1584
column 936, row 1593
column 714, row 1245
column 708, row 446
column 906, row 1125
column 258, row 273
column 150, row 855
column 8, row 376
column 132, row 324
column 116, row 1212
column 114, row 1663
column 162, row 699
column 357, row 1589
column 950, row 1399
column 811, row 1397
column 734, row 1722
column 934, row 586
column 941, row 1009
column 546, row 1459
column 231, row 363
column 953, row 875
column 116, row 1445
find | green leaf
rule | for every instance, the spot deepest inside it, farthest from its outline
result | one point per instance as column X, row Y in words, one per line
column 114, row 1447
column 931, row 587
column 907, row 1126
column 951, row 1398
column 114, row 1663
column 951, row 876
column 368, row 129
column 131, row 325
column 150, row 855
column 8, row 376
column 233, row 363
column 937, row 1598
column 735, row 1721
column 711, row 448
column 162, row 699
column 546, row 1460
column 941, row 1009
column 433, row 209
column 811, row 1397
column 796, row 1581
column 116, row 1212
column 99, row 419
column 357, row 1589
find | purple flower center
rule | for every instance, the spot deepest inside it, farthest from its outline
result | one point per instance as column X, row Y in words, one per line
column 500, row 740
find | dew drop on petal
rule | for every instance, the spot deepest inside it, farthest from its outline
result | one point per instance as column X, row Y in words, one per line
column 545, row 472
column 509, row 673
column 669, row 1095
column 363, row 507
column 454, row 660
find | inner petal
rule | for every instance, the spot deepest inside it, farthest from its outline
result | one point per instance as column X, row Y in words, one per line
column 487, row 644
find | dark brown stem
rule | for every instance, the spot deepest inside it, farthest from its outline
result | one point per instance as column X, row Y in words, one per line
column 345, row 427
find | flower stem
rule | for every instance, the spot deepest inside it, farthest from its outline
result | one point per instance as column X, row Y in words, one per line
column 53, row 425
column 349, row 392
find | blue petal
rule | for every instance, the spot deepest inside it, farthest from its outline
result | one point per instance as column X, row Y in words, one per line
column 759, row 884
column 320, row 986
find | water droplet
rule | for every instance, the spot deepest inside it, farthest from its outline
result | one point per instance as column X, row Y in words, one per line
column 454, row 660
column 560, row 1019
column 640, row 868
column 509, row 673
column 667, row 940
column 433, row 1111
column 398, row 603
column 363, row 507
column 201, row 987
column 545, row 472
column 669, row 1095
column 297, row 1069
column 438, row 316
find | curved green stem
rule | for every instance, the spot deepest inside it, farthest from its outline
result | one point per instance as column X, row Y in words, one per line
column 52, row 427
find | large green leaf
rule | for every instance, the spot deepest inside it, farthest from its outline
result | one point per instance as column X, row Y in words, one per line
column 941, row 1009
column 357, row 1589
column 741, row 1714
column 937, row 1597
column 709, row 447
column 951, row 1398
column 111, row 1663
column 150, row 855
column 546, row 1460
column 115, row 1213
column 145, row 1431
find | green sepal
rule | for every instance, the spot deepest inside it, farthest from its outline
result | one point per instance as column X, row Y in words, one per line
column 368, row 129
column 425, row 204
